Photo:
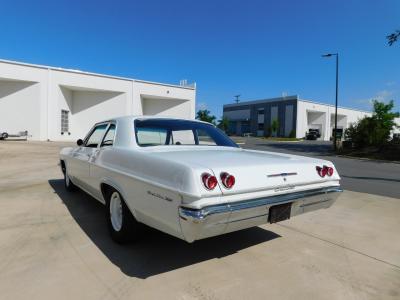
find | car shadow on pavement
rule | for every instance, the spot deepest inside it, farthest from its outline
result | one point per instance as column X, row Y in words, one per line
column 155, row 252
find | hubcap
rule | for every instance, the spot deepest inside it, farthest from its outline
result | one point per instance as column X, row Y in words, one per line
column 116, row 211
column 66, row 178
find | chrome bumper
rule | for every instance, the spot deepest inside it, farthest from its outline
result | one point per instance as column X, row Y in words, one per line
column 223, row 218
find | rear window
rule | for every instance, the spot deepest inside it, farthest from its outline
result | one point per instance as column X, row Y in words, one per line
column 164, row 132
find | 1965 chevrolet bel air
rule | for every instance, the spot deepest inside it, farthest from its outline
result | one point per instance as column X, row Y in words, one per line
column 188, row 179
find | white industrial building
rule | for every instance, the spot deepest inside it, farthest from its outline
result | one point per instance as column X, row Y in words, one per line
column 61, row 104
column 295, row 117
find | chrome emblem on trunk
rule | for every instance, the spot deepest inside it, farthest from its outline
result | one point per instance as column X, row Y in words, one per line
column 282, row 174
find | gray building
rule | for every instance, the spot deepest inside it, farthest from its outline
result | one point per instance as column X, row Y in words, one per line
column 256, row 117
column 294, row 116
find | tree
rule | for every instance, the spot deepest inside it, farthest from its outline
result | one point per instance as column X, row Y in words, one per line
column 223, row 124
column 384, row 119
column 274, row 126
column 375, row 130
column 392, row 38
column 205, row 115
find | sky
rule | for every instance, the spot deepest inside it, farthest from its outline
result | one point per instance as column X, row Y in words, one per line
column 258, row 49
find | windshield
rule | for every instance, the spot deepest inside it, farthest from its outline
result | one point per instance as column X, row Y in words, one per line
column 156, row 132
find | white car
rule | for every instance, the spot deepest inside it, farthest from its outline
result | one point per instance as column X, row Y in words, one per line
column 188, row 179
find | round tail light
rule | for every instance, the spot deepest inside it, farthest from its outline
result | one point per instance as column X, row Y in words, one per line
column 329, row 171
column 209, row 181
column 322, row 171
column 227, row 180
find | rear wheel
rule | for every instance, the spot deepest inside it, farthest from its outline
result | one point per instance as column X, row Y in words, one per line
column 122, row 225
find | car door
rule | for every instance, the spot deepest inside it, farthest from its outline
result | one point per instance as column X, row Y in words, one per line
column 83, row 154
column 95, row 172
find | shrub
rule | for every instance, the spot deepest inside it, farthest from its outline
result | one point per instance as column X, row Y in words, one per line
column 375, row 130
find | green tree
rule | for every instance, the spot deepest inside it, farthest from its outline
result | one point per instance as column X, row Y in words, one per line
column 374, row 130
column 205, row 115
column 274, row 127
column 223, row 124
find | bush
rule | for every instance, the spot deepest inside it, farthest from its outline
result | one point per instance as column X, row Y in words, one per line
column 292, row 133
column 375, row 130
column 267, row 132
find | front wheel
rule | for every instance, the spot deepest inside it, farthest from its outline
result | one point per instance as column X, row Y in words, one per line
column 122, row 225
column 69, row 186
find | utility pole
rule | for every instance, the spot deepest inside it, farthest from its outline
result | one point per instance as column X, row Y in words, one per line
column 337, row 91
column 237, row 98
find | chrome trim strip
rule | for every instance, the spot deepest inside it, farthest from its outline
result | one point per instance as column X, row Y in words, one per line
column 282, row 174
column 200, row 214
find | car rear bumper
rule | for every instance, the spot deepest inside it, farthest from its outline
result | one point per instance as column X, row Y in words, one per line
column 219, row 219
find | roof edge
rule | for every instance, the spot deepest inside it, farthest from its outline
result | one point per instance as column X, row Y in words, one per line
column 331, row 105
column 13, row 62
column 248, row 102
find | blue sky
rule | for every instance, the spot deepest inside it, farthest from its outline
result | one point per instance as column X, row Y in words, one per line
column 258, row 49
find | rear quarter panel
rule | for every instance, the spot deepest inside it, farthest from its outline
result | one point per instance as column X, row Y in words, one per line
column 152, row 188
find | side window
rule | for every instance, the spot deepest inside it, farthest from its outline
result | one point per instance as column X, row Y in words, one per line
column 109, row 137
column 204, row 138
column 183, row 137
column 95, row 137
column 151, row 136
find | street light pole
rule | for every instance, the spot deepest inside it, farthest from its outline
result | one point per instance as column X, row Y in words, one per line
column 337, row 92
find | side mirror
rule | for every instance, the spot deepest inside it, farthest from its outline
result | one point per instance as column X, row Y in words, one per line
column 79, row 142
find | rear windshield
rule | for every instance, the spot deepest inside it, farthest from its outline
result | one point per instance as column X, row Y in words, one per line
column 156, row 132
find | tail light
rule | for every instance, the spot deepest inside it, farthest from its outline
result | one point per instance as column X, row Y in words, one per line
column 209, row 181
column 325, row 170
column 227, row 180
column 330, row 171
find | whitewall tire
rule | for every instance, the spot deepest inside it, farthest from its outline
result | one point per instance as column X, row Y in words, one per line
column 69, row 186
column 122, row 225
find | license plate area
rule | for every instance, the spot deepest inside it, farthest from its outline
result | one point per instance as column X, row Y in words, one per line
column 278, row 213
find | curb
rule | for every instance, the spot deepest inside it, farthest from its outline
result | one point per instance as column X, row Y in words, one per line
column 369, row 159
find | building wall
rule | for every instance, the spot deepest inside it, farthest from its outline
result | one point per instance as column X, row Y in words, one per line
column 89, row 99
column 32, row 97
column 163, row 99
column 282, row 109
column 294, row 115
column 16, row 103
column 315, row 115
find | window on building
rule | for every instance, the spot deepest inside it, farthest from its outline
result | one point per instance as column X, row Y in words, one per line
column 64, row 121
column 261, row 111
column 260, row 126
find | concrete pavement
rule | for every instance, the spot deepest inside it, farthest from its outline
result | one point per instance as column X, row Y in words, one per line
column 55, row 245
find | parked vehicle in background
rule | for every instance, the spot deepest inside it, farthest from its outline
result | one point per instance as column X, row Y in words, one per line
column 188, row 179
column 3, row 135
column 313, row 134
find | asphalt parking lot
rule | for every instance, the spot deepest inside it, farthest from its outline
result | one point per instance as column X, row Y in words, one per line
column 55, row 245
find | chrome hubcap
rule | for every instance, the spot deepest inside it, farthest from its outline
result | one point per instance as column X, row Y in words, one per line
column 116, row 211
column 66, row 178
